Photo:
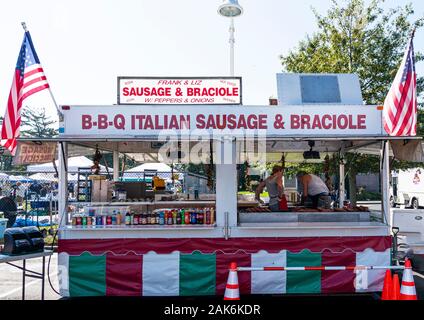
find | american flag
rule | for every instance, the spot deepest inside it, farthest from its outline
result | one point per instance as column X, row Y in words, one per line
column 29, row 78
column 400, row 105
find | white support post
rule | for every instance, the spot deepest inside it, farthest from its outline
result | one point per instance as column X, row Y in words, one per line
column 341, row 178
column 232, row 41
column 226, row 182
column 63, row 183
column 385, row 183
column 115, row 165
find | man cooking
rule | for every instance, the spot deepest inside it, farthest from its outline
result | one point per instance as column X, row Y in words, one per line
column 312, row 187
column 274, row 186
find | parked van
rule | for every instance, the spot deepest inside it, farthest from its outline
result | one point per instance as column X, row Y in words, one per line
column 408, row 188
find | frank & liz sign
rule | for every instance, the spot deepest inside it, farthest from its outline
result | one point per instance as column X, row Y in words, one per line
column 152, row 90
column 274, row 121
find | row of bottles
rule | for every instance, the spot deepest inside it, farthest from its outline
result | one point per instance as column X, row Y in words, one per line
column 189, row 216
column 172, row 217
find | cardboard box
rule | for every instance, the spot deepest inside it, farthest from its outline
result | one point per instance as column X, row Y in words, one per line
column 101, row 191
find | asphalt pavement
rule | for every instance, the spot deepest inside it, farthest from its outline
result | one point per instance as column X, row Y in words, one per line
column 11, row 281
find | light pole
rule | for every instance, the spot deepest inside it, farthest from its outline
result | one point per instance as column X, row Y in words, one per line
column 231, row 9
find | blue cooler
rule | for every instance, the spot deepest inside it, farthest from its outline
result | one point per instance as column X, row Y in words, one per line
column 3, row 223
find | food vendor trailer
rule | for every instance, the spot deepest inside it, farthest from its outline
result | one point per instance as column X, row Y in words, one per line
column 189, row 259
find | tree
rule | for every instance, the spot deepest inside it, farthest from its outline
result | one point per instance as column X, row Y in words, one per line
column 37, row 124
column 358, row 39
column 366, row 40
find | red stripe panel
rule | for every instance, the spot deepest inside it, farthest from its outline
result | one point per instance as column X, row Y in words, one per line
column 30, row 73
column 232, row 286
column 409, row 284
column 233, row 245
column 338, row 281
column 222, row 265
column 123, row 275
column 315, row 268
column 274, row 268
column 32, row 91
column 35, row 80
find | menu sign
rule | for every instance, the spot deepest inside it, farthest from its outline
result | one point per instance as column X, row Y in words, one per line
column 33, row 153
column 139, row 90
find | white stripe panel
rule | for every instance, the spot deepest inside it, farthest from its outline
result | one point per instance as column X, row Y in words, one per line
column 269, row 281
column 32, row 67
column 32, row 77
column 161, row 274
column 33, row 86
column 374, row 278
column 63, row 273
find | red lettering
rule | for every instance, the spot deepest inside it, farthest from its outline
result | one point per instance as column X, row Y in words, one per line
column 252, row 121
column 86, row 122
column 325, row 124
column 221, row 121
column 174, row 123
column 294, row 121
column 102, row 121
column 305, row 121
column 125, row 90
column 345, row 122
column 148, row 124
column 361, row 121
column 241, row 122
column 200, row 121
column 316, row 124
column 211, row 122
column 232, row 124
column 262, row 121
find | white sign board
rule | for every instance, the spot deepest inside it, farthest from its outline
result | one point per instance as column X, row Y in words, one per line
column 177, row 91
column 292, row 121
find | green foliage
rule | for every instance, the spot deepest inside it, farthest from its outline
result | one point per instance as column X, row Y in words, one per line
column 364, row 195
column 355, row 38
column 35, row 123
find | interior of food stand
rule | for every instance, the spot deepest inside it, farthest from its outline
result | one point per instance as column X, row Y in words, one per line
column 249, row 212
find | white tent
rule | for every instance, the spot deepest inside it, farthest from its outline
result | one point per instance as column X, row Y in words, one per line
column 163, row 170
column 19, row 179
column 158, row 166
column 4, row 176
column 73, row 164
column 43, row 177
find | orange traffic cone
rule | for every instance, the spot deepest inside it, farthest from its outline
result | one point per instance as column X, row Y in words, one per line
column 387, row 286
column 232, row 291
column 407, row 290
column 396, row 288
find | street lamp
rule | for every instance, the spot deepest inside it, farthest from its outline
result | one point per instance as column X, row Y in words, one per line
column 231, row 9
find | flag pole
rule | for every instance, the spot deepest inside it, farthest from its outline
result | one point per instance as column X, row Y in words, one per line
column 60, row 115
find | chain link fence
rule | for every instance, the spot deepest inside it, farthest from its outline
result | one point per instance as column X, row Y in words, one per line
column 44, row 185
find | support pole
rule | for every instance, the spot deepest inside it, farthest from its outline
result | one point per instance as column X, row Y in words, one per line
column 63, row 183
column 385, row 183
column 226, row 182
column 115, row 165
column 232, row 41
column 341, row 178
column 59, row 113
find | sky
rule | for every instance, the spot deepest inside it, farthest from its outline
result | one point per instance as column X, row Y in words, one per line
column 85, row 45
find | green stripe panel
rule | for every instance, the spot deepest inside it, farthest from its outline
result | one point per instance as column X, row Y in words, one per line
column 303, row 281
column 87, row 275
column 197, row 274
